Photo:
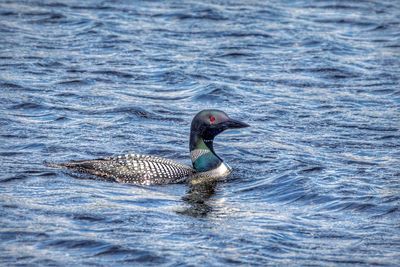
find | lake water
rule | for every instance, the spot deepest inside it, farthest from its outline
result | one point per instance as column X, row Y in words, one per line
column 316, row 177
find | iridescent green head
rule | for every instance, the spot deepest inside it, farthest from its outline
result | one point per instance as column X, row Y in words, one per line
column 205, row 126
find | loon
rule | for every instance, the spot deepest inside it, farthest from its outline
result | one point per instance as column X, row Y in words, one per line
column 150, row 170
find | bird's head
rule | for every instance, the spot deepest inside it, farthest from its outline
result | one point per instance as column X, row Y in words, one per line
column 210, row 122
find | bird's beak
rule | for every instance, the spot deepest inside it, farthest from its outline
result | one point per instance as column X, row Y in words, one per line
column 233, row 124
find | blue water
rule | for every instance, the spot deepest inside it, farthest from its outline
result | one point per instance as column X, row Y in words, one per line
column 316, row 178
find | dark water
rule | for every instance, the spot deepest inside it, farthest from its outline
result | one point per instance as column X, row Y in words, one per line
column 316, row 178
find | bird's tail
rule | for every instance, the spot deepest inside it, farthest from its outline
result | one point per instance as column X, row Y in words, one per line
column 55, row 165
column 82, row 165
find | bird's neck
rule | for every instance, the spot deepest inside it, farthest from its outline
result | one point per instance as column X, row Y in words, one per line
column 202, row 154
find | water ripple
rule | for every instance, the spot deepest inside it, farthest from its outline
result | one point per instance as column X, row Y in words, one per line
column 315, row 178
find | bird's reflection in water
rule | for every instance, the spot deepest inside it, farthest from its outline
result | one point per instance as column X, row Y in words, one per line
column 197, row 197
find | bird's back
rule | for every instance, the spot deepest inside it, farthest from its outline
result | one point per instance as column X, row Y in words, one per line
column 134, row 168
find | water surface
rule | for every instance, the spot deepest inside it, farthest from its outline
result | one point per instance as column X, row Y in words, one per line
column 316, row 178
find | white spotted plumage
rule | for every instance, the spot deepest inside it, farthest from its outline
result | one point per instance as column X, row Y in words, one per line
column 135, row 168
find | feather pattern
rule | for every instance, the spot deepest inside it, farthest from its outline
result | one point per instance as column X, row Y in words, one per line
column 134, row 168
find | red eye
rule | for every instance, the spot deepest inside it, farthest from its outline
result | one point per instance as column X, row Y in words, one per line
column 212, row 119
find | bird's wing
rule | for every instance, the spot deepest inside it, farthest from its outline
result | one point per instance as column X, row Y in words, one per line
column 134, row 168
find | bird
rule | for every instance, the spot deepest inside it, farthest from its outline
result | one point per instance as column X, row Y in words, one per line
column 154, row 170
